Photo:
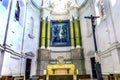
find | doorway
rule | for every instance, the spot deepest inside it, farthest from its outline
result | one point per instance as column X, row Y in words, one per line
column 28, row 68
column 94, row 75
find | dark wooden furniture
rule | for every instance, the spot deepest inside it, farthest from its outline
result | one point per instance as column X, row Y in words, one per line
column 86, row 76
column 7, row 78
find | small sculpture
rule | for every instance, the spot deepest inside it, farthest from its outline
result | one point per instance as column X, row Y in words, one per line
column 60, row 60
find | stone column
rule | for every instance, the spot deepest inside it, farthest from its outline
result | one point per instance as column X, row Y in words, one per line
column 42, row 61
column 77, row 32
column 40, row 33
column 80, row 36
column 43, row 36
column 72, row 34
column 48, row 33
column 77, row 58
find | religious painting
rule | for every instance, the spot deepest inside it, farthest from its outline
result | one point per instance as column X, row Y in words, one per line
column 60, row 33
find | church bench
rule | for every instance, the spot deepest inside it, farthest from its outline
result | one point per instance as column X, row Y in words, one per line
column 106, row 76
column 86, row 76
column 18, row 77
column 38, row 77
column 114, row 76
column 7, row 78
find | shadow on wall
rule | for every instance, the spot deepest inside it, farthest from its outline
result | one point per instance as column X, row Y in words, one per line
column 90, row 53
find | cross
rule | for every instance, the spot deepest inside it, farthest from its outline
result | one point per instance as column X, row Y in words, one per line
column 92, row 18
column 97, row 65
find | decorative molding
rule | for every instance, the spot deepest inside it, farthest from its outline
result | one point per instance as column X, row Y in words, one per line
column 106, row 55
column 6, row 49
column 114, row 46
column 31, row 54
column 35, row 5
column 59, row 51
column 13, row 57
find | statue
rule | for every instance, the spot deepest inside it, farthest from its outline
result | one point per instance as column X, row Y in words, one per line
column 59, row 6
column 100, row 5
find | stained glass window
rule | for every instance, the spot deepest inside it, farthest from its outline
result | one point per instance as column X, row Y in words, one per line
column 17, row 11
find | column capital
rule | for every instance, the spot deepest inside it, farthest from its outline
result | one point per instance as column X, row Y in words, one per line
column 48, row 19
column 42, row 47
column 78, row 46
column 75, row 17
column 43, row 18
column 71, row 20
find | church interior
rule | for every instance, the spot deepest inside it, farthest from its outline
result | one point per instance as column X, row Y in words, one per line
column 59, row 40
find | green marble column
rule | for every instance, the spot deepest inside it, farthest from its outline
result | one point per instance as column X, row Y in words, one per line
column 77, row 32
column 80, row 33
column 40, row 36
column 43, row 36
column 48, row 33
column 72, row 34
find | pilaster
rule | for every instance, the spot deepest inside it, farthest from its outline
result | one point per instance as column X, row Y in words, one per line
column 72, row 34
column 43, row 36
column 48, row 33
column 77, row 32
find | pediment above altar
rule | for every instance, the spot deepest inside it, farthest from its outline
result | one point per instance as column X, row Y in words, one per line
column 59, row 7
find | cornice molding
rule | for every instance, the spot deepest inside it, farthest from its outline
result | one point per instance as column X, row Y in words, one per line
column 34, row 4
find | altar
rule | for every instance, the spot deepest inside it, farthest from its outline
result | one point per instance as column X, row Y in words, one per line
column 61, row 72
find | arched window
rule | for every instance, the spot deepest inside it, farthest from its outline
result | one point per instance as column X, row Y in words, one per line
column 31, row 34
column 17, row 11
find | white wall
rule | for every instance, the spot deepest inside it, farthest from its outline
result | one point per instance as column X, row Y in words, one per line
column 18, row 39
column 86, row 32
column 3, row 21
column 108, row 37
column 11, row 63
column 31, row 44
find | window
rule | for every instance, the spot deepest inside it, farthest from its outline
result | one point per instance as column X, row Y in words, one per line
column 31, row 34
column 17, row 11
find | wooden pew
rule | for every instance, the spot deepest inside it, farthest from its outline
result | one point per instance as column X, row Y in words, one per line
column 106, row 76
column 7, row 78
column 40, row 77
column 117, row 76
column 18, row 77
column 86, row 76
